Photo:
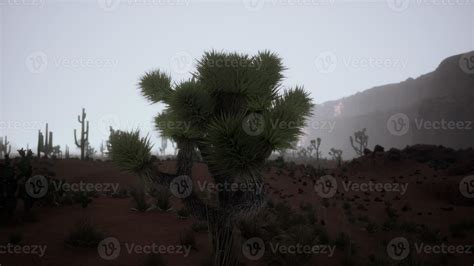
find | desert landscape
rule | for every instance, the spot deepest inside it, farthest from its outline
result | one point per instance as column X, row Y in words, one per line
column 244, row 132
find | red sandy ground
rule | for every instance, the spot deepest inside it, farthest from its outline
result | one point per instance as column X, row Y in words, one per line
column 115, row 216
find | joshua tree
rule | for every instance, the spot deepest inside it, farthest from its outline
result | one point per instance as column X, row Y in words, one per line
column 314, row 146
column 230, row 110
column 5, row 147
column 45, row 143
column 336, row 155
column 57, row 153
column 82, row 143
column 360, row 142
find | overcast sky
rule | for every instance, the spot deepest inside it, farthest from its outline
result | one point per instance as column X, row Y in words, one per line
column 60, row 56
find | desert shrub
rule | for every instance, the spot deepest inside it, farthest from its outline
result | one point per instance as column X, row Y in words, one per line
column 154, row 260
column 139, row 198
column 188, row 239
column 200, row 227
column 84, row 234
column 82, row 198
column 162, row 198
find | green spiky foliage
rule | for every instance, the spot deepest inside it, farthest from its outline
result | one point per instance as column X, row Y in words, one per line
column 45, row 143
column 359, row 142
column 5, row 147
column 82, row 143
column 232, row 113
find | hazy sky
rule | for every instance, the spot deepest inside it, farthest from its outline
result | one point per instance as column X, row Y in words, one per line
column 60, row 56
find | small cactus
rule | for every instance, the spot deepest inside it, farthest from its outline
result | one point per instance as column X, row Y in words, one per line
column 360, row 141
column 45, row 143
column 5, row 147
column 82, row 142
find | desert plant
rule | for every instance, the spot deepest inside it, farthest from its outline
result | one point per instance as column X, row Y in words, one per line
column 66, row 155
column 82, row 143
column 164, row 145
column 84, row 234
column 336, row 155
column 5, row 147
column 183, row 213
column 228, row 112
column 359, row 142
column 139, row 198
column 162, row 199
column 45, row 143
column 90, row 151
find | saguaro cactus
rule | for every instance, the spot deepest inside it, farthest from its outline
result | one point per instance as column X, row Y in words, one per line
column 67, row 152
column 5, row 147
column 360, row 141
column 82, row 143
column 45, row 143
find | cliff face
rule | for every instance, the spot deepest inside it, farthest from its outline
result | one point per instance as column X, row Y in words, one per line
column 435, row 108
